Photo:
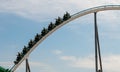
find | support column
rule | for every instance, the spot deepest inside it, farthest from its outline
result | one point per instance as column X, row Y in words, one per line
column 27, row 66
column 96, row 57
column 98, row 61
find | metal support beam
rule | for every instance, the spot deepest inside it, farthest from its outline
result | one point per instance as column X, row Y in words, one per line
column 27, row 66
column 98, row 61
column 96, row 57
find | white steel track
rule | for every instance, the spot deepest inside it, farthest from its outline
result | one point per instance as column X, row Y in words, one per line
column 73, row 17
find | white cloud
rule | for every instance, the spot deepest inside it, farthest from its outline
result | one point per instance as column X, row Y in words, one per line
column 108, row 24
column 45, row 9
column 114, row 35
column 111, row 63
column 6, row 64
column 57, row 52
column 68, row 58
column 38, row 66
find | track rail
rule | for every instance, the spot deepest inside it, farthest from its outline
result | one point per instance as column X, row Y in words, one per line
column 73, row 17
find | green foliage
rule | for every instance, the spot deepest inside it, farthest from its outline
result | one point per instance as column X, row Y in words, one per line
column 7, row 70
column 4, row 70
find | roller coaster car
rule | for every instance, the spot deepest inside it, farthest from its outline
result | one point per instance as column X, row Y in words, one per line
column 4, row 70
column 66, row 16
column 19, row 57
column 37, row 38
column 25, row 50
column 58, row 21
column 51, row 26
column 44, row 31
column 15, row 62
column 30, row 44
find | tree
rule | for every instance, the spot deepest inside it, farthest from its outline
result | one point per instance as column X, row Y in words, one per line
column 7, row 70
column 44, row 31
column 58, row 21
column 51, row 26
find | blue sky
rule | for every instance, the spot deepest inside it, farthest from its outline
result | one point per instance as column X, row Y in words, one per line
column 69, row 49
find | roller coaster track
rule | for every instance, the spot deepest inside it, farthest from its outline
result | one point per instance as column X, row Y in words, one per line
column 73, row 17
